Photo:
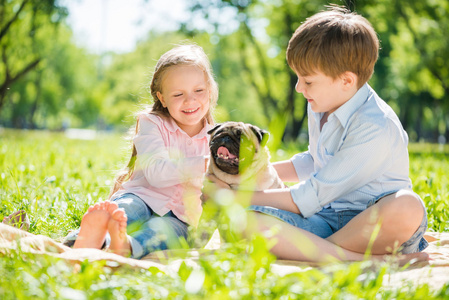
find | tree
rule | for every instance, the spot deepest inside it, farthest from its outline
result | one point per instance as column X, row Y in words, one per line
column 426, row 25
column 264, row 29
column 20, row 23
column 411, row 72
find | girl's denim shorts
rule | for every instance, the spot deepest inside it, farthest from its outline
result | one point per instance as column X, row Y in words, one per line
column 328, row 221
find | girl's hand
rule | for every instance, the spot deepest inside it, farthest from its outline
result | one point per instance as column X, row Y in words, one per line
column 211, row 185
column 219, row 183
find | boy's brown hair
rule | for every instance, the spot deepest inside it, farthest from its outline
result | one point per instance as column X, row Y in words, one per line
column 333, row 42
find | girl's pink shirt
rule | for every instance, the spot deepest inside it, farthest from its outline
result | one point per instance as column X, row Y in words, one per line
column 170, row 167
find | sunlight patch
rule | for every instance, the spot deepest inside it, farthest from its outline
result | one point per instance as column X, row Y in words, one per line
column 81, row 134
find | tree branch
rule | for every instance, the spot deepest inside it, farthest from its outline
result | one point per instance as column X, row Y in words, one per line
column 25, row 70
column 5, row 29
column 9, row 79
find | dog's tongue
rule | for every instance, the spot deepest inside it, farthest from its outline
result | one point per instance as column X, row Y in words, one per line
column 225, row 152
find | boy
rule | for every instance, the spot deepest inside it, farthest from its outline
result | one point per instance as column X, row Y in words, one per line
column 354, row 192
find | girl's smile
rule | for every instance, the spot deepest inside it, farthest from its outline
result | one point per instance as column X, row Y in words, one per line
column 191, row 111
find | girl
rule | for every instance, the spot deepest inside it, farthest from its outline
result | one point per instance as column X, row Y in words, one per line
column 157, row 196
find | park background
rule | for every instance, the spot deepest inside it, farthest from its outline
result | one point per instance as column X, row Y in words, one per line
column 53, row 81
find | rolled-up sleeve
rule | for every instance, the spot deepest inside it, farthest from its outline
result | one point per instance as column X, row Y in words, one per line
column 361, row 159
column 303, row 163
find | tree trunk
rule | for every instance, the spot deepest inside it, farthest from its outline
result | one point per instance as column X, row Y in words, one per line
column 418, row 127
column 446, row 133
column 296, row 125
column 33, row 109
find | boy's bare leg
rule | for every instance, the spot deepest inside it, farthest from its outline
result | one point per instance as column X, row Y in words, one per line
column 391, row 221
column 117, row 230
column 293, row 243
column 94, row 225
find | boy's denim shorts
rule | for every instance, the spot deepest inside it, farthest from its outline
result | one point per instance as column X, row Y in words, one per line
column 328, row 221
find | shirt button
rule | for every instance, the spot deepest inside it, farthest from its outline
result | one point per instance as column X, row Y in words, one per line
column 189, row 142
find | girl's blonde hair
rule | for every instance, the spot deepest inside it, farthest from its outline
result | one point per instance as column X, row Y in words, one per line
column 185, row 55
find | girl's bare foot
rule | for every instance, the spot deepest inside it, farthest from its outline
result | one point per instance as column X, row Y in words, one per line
column 117, row 230
column 94, row 225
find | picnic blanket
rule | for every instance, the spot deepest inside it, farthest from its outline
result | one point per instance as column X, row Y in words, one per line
column 434, row 272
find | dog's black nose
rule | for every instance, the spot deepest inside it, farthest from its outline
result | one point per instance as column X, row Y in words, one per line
column 227, row 139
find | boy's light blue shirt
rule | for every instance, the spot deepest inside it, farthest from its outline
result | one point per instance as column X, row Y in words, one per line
column 360, row 154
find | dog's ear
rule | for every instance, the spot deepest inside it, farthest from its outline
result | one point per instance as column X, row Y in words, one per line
column 213, row 129
column 261, row 134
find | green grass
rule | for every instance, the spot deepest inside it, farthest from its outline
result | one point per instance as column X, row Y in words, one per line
column 429, row 165
column 55, row 179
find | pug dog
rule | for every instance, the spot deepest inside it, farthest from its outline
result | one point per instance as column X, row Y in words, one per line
column 239, row 157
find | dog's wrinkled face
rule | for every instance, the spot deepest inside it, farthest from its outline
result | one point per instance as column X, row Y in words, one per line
column 233, row 144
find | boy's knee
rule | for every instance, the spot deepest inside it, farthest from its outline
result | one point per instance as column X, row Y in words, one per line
column 408, row 203
column 405, row 210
